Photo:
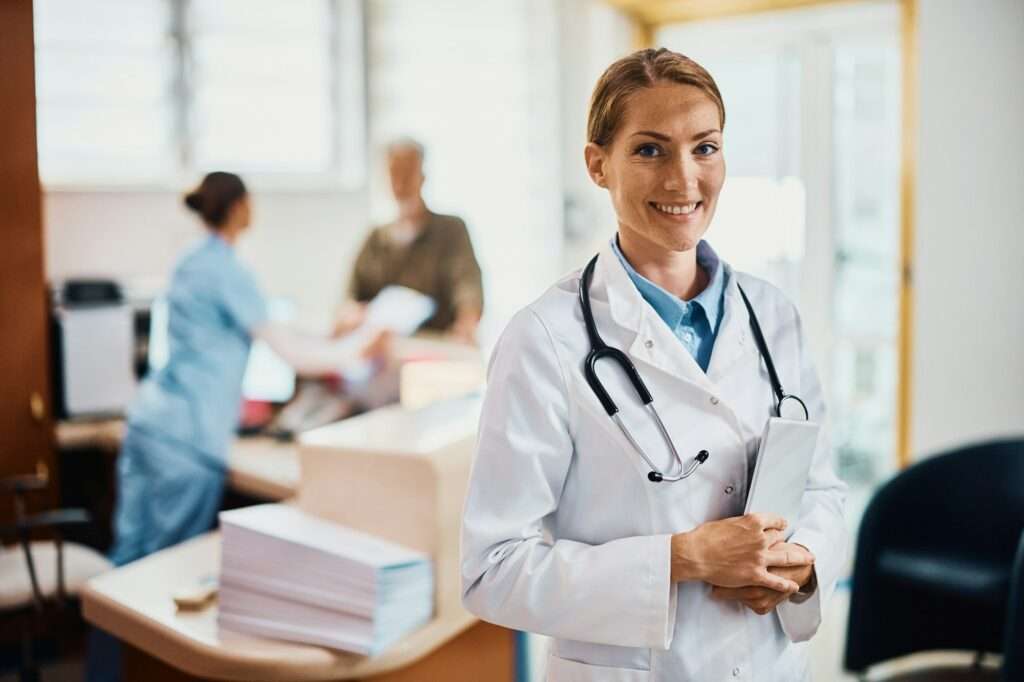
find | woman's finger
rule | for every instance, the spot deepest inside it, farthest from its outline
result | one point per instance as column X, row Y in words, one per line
column 787, row 555
column 729, row 593
column 768, row 521
column 777, row 583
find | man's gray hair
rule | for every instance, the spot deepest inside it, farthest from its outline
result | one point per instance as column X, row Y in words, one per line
column 406, row 143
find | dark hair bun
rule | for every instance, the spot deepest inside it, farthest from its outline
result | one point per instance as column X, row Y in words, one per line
column 194, row 200
column 215, row 196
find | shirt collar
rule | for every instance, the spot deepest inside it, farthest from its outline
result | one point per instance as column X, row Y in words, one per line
column 671, row 308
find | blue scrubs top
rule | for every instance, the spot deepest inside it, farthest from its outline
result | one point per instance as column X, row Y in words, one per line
column 213, row 306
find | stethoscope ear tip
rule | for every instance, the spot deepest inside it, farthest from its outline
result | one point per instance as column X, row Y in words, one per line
column 654, row 477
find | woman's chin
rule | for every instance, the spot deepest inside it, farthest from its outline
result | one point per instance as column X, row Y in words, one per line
column 679, row 240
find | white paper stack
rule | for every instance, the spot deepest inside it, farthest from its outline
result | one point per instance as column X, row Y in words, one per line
column 288, row 575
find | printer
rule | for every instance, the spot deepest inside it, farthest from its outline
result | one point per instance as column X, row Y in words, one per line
column 93, row 347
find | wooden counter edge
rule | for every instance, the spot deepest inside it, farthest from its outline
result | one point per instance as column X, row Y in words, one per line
column 203, row 660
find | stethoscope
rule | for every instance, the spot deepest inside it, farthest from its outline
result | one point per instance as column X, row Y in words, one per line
column 600, row 350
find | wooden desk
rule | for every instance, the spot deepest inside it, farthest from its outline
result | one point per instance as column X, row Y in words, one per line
column 257, row 466
column 105, row 434
column 265, row 468
column 134, row 604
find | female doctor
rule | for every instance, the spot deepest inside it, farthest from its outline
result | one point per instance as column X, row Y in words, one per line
column 617, row 527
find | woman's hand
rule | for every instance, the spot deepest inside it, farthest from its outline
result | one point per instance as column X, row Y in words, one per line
column 737, row 552
column 380, row 347
column 763, row 600
column 352, row 315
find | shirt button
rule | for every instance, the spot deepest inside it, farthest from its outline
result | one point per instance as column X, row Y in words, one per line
column 735, row 672
column 714, row 400
column 728, row 490
column 648, row 344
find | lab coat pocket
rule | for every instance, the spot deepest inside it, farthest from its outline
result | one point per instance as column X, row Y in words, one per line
column 564, row 670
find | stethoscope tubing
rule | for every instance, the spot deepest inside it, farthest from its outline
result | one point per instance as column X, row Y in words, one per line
column 599, row 350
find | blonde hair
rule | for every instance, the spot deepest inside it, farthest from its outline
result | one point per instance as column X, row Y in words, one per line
column 642, row 69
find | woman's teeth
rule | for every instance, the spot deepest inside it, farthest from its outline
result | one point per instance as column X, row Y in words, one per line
column 677, row 209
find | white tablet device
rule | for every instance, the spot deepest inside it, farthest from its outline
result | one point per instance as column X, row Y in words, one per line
column 783, row 463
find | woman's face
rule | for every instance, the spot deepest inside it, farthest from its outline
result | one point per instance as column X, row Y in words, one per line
column 242, row 210
column 664, row 168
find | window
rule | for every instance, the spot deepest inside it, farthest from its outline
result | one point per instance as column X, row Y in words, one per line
column 473, row 82
column 105, row 75
column 149, row 91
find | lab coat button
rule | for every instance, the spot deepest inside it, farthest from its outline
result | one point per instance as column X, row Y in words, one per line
column 728, row 490
column 714, row 400
column 648, row 344
column 735, row 672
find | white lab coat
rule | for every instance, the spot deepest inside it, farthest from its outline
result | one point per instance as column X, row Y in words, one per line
column 563, row 534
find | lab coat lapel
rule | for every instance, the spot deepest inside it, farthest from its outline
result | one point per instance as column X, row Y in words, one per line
column 649, row 340
column 734, row 340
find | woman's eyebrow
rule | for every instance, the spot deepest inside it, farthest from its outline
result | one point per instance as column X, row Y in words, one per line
column 666, row 138
column 705, row 133
column 651, row 133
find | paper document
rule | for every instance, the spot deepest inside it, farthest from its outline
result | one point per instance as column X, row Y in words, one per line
column 290, row 575
column 397, row 309
column 780, row 474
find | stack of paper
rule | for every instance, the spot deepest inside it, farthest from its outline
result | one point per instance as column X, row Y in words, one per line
column 289, row 575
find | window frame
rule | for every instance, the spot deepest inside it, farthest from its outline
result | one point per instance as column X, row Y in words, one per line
column 347, row 50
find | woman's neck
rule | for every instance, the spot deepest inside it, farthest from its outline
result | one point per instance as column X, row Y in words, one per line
column 229, row 234
column 677, row 272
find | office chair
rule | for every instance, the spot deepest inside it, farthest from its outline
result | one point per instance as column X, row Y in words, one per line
column 39, row 578
column 935, row 559
column 1013, row 649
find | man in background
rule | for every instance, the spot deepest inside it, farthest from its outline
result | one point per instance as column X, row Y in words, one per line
column 422, row 250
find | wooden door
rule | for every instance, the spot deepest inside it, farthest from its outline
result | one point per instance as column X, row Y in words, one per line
column 26, row 428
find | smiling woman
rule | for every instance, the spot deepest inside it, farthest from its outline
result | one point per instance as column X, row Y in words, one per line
column 660, row 157
column 583, row 520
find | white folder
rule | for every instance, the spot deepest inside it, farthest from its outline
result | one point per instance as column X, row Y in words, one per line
column 783, row 463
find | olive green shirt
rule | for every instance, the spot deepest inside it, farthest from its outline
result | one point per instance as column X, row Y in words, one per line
column 439, row 262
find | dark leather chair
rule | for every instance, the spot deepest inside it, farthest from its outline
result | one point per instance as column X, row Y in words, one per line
column 935, row 560
column 1013, row 650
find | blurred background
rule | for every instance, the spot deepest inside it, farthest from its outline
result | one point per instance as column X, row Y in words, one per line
column 873, row 151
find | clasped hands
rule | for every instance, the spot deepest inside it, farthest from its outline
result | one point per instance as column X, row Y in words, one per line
column 744, row 559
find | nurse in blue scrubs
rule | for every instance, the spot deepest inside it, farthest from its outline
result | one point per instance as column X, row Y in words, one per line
column 172, row 464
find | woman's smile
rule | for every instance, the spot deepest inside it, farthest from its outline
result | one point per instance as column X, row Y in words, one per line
column 678, row 212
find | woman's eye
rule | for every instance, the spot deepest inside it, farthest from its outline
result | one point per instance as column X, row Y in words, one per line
column 708, row 148
column 648, row 150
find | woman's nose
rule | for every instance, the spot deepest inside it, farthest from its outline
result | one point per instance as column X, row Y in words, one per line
column 681, row 174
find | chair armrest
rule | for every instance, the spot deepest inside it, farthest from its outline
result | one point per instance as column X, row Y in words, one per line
column 22, row 483
column 55, row 518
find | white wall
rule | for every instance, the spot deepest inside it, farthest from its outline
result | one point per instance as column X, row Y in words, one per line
column 593, row 35
column 968, row 362
column 301, row 245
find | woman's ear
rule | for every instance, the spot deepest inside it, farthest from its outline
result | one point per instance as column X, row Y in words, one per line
column 594, row 155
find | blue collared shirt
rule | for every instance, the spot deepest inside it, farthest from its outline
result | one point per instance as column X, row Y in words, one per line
column 694, row 322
